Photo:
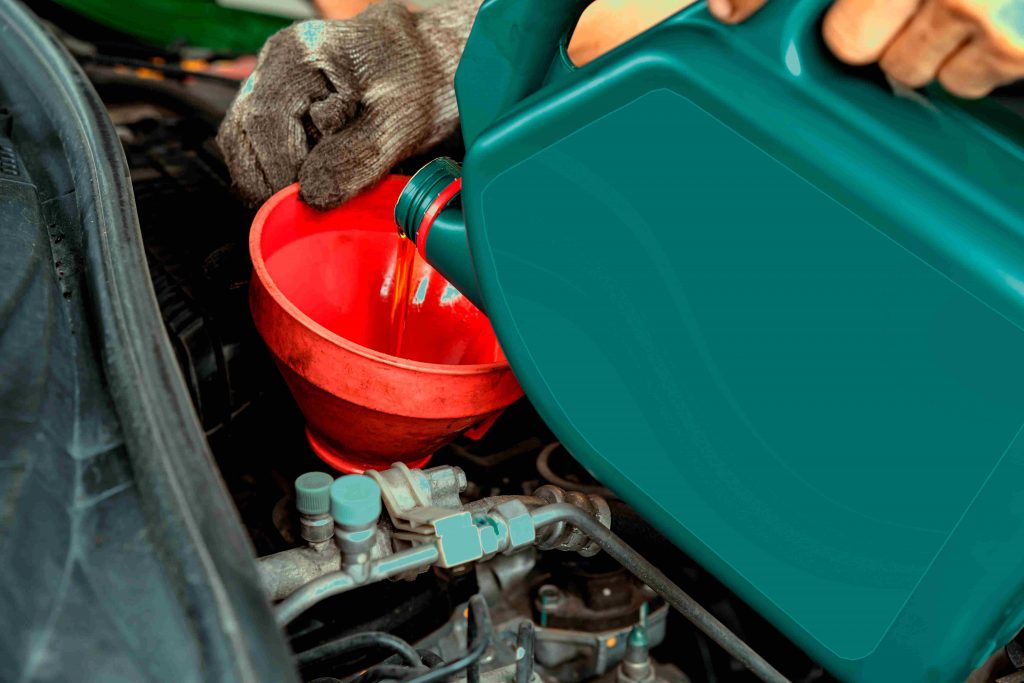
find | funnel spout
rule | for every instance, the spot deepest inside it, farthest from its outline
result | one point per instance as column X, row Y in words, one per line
column 429, row 213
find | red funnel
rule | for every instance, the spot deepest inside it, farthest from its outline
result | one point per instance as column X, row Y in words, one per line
column 323, row 297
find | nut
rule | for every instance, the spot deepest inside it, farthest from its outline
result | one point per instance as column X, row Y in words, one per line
column 492, row 534
column 563, row 536
column 521, row 532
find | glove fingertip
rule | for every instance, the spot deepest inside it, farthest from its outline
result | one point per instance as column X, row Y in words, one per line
column 343, row 165
column 322, row 193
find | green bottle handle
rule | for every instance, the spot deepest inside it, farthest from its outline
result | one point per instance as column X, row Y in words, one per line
column 509, row 53
column 514, row 44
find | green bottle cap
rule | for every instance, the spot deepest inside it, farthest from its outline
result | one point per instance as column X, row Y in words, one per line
column 313, row 493
column 421, row 191
column 355, row 500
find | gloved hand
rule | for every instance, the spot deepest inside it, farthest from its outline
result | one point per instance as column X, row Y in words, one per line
column 970, row 46
column 336, row 104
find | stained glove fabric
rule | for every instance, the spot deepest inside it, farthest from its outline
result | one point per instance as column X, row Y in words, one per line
column 336, row 104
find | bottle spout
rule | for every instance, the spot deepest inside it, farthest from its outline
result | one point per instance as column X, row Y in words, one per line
column 429, row 213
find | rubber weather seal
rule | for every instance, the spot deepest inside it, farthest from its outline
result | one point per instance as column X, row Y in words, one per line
column 190, row 520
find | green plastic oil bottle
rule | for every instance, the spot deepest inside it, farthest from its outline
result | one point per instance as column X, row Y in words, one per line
column 773, row 305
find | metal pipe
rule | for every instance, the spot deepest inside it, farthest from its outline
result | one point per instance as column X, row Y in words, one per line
column 408, row 560
column 485, row 504
column 285, row 572
column 525, row 643
column 635, row 563
column 339, row 582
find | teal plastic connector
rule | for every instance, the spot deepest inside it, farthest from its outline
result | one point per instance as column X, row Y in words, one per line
column 313, row 493
column 638, row 639
column 355, row 501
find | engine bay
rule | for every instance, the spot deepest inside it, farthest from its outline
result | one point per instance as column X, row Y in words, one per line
column 511, row 587
column 581, row 609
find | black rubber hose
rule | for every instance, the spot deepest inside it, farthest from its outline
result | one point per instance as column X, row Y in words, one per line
column 360, row 641
column 549, row 475
column 430, row 658
column 477, row 646
column 639, row 567
column 168, row 70
column 385, row 672
column 397, row 672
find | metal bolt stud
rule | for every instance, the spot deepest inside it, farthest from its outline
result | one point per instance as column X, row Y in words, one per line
column 313, row 501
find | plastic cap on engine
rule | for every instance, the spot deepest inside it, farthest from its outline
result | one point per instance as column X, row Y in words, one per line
column 636, row 645
column 313, row 493
column 355, row 501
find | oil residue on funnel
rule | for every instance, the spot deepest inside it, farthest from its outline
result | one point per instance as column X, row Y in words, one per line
column 386, row 360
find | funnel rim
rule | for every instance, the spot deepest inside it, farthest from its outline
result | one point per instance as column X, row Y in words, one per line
column 261, row 272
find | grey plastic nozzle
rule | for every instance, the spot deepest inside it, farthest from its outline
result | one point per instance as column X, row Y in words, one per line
column 313, row 493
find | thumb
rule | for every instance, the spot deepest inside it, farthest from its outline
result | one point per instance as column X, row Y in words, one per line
column 734, row 11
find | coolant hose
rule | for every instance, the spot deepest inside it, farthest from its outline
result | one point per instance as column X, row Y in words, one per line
column 635, row 563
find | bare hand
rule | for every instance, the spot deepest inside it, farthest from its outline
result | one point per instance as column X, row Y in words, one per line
column 970, row 46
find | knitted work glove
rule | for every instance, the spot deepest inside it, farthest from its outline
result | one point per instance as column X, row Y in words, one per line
column 336, row 104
